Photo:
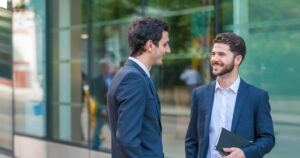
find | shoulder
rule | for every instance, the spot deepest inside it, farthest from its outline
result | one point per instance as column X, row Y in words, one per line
column 205, row 88
column 130, row 74
column 253, row 89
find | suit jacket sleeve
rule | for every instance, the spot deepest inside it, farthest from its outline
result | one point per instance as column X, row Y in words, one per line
column 264, row 132
column 132, row 97
column 191, row 139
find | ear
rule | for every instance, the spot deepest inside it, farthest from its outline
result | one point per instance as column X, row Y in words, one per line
column 149, row 45
column 238, row 59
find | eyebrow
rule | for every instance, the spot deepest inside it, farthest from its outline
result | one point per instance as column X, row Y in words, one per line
column 217, row 52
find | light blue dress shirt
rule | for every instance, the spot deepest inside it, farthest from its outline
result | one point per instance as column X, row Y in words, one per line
column 141, row 65
column 222, row 114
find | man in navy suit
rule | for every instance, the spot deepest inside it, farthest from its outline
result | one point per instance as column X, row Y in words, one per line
column 231, row 103
column 133, row 104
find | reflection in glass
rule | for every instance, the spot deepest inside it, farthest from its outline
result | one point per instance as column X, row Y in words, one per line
column 109, row 52
column 272, row 36
column 6, row 90
column 191, row 31
column 29, row 67
column 6, row 132
column 69, row 108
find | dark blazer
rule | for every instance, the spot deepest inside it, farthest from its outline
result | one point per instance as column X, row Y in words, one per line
column 251, row 120
column 134, row 114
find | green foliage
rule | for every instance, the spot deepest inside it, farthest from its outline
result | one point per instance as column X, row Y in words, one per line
column 103, row 10
column 227, row 12
column 180, row 33
column 271, row 62
column 168, row 75
column 270, row 10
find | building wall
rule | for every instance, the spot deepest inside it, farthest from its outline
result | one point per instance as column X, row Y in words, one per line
column 271, row 31
column 61, row 49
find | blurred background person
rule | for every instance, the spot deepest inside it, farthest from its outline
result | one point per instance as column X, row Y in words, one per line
column 98, row 109
column 191, row 77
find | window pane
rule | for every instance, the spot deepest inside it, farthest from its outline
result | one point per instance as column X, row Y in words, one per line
column 68, row 115
column 272, row 35
column 109, row 51
column 6, row 90
column 29, row 67
column 191, row 30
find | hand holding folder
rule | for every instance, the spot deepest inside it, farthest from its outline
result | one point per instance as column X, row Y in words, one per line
column 228, row 139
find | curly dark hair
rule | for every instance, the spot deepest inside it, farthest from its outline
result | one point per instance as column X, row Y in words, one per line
column 142, row 30
column 236, row 43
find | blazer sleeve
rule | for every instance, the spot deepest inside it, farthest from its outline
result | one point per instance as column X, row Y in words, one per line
column 132, row 97
column 191, row 139
column 264, row 132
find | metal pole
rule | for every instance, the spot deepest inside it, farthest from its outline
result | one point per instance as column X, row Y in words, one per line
column 143, row 8
column 217, row 17
column 90, row 62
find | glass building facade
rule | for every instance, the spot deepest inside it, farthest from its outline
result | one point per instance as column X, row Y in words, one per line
column 54, row 52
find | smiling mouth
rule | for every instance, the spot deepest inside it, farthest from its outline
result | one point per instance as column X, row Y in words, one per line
column 217, row 63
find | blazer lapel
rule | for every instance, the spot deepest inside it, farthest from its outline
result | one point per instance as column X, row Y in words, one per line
column 241, row 99
column 152, row 87
column 132, row 63
column 156, row 100
column 209, row 104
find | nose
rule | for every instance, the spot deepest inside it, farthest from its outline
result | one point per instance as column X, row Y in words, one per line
column 168, row 50
column 214, row 59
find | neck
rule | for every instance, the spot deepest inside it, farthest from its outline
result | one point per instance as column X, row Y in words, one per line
column 227, row 80
column 144, row 59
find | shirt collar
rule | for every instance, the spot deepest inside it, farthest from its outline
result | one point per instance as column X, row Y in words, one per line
column 234, row 87
column 141, row 65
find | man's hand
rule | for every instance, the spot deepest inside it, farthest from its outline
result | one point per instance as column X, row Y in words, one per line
column 234, row 153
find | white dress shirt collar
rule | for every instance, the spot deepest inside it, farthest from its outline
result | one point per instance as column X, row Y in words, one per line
column 234, row 87
column 141, row 65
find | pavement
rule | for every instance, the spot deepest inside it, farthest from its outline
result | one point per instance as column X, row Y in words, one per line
column 175, row 122
column 4, row 156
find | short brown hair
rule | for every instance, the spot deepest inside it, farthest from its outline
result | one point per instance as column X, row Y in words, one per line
column 236, row 43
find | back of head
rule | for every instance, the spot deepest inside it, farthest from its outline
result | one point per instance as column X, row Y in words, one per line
column 236, row 43
column 142, row 30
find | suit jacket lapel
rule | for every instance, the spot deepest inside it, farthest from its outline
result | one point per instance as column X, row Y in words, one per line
column 209, row 104
column 156, row 100
column 241, row 99
column 152, row 87
column 132, row 63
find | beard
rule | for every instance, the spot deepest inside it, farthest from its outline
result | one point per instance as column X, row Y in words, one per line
column 227, row 69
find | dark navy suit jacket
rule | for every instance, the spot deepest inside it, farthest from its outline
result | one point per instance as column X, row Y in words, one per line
column 134, row 114
column 251, row 120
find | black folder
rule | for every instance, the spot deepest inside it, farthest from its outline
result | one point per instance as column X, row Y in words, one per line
column 228, row 139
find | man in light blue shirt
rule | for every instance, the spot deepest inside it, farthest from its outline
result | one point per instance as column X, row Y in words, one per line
column 231, row 103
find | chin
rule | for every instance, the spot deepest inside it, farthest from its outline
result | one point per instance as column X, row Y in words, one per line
column 216, row 72
column 159, row 63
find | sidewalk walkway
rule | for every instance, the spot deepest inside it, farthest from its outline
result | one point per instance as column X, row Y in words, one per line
column 282, row 118
column 4, row 156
